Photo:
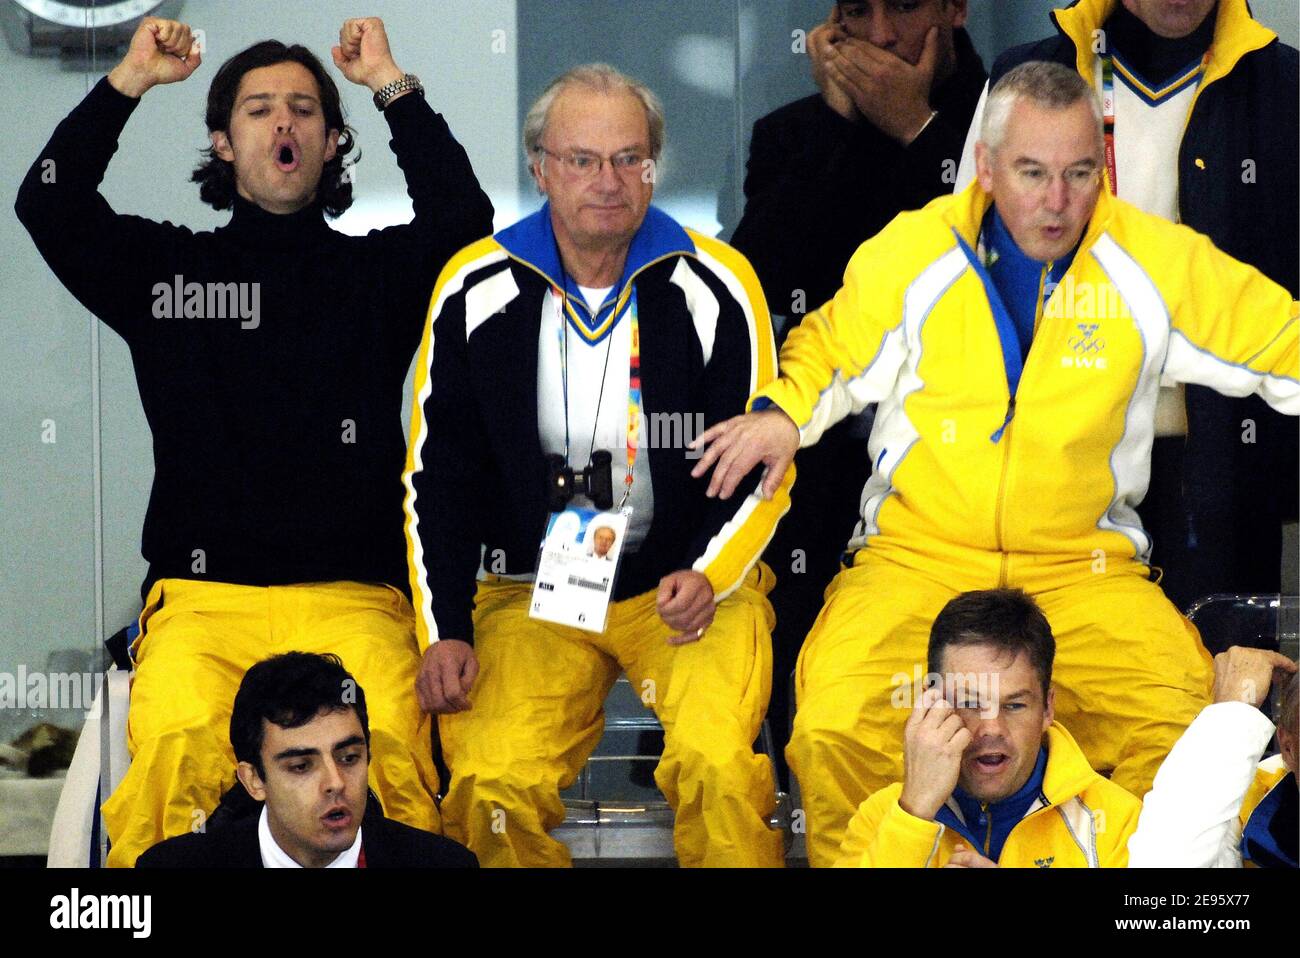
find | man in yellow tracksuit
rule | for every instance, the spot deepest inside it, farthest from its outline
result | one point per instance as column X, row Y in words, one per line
column 1203, row 128
column 990, row 779
column 540, row 342
column 997, row 462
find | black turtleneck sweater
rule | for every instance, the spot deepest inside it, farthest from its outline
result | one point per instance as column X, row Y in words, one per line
column 278, row 443
column 1154, row 57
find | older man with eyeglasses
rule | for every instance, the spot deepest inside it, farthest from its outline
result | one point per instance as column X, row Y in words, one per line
column 1015, row 335
column 567, row 362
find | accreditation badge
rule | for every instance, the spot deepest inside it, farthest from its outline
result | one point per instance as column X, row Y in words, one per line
column 576, row 567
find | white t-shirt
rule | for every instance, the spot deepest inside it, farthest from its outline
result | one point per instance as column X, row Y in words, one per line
column 587, row 364
column 595, row 296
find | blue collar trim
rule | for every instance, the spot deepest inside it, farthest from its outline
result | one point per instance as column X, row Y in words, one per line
column 1004, row 815
column 532, row 242
column 1019, row 274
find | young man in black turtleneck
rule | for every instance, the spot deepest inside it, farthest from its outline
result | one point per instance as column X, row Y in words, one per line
column 270, row 356
column 1204, row 131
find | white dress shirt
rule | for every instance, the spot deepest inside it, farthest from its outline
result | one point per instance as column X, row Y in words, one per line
column 273, row 856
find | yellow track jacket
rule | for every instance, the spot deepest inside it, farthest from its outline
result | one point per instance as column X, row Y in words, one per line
column 1144, row 300
column 1080, row 820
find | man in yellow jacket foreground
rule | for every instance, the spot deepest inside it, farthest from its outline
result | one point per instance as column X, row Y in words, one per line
column 1015, row 336
column 989, row 779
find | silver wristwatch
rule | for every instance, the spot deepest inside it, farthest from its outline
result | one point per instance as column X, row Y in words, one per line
column 386, row 92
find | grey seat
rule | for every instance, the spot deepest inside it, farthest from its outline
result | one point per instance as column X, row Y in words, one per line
column 614, row 811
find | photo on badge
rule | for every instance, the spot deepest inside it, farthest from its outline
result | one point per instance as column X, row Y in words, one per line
column 577, row 567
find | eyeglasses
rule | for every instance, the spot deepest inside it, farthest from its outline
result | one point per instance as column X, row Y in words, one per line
column 586, row 165
column 1037, row 181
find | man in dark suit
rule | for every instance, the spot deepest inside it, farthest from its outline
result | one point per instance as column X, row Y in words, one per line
column 300, row 731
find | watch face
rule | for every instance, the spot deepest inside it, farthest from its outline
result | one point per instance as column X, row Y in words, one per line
column 88, row 13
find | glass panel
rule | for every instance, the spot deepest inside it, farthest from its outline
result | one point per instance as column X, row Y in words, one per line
column 51, row 625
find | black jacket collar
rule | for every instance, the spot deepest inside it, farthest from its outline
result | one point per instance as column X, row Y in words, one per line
column 386, row 844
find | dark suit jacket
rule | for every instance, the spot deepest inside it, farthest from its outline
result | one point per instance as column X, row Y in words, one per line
column 387, row 844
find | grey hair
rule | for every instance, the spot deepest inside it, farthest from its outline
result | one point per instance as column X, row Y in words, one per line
column 1047, row 84
column 1289, row 705
column 602, row 78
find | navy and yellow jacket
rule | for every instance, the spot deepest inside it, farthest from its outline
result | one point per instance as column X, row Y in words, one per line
column 1055, row 475
column 1268, row 817
column 475, row 474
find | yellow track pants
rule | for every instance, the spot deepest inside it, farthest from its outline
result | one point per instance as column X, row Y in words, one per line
column 197, row 640
column 538, row 712
column 1130, row 673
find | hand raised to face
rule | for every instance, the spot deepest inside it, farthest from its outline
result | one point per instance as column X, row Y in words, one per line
column 1245, row 675
column 890, row 92
column 821, row 41
column 934, row 740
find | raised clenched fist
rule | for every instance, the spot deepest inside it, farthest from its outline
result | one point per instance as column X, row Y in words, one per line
column 362, row 53
column 161, row 51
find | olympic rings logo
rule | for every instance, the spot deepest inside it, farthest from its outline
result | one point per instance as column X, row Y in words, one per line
column 1085, row 343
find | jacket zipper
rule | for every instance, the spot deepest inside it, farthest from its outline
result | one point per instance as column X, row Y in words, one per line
column 1002, row 488
column 1046, row 806
column 1038, row 307
column 1005, row 559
